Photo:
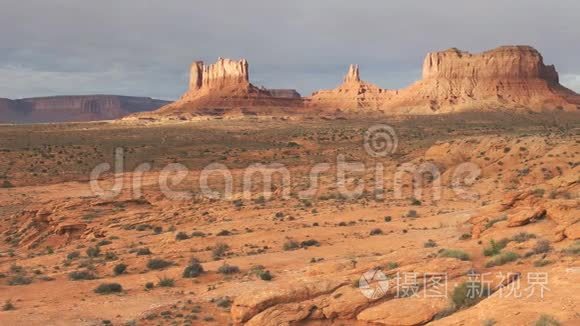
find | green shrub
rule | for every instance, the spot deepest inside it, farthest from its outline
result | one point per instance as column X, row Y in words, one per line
column 166, row 282
column 465, row 236
column 220, row 250
column 8, row 305
column 193, row 269
column 157, row 263
column 376, row 231
column 573, row 250
column 93, row 251
column 430, row 244
column 291, row 245
column 542, row 263
column 181, row 236
column 495, row 247
column 392, row 265
column 228, row 269
column 501, row 259
column 73, row 255
column 542, row 247
column 19, row 280
column 143, row 252
column 107, row 288
column 119, row 269
column 454, row 253
column 82, row 275
column 469, row 293
column 309, row 243
column 546, row 320
column 523, row 237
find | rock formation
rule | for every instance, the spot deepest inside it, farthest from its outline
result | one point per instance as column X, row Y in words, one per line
column 74, row 108
column 509, row 77
column 223, row 88
column 512, row 78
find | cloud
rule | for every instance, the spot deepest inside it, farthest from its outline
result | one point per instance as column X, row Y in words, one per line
column 145, row 46
column 571, row 81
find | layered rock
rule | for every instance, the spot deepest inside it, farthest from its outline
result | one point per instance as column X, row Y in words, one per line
column 74, row 108
column 510, row 77
column 224, row 88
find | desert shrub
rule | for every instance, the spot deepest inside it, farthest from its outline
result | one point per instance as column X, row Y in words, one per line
column 6, row 184
column 388, row 218
column 465, row 236
column 412, row 213
column 392, row 265
column 143, row 252
column 104, row 242
column 193, row 269
column 291, row 245
column 573, row 250
column 73, row 255
column 489, row 322
column 220, row 250
column 538, row 192
column 376, row 231
column 19, row 280
column 546, row 320
column 197, row 234
column 415, row 202
column 157, row 230
column 309, row 243
column 223, row 233
column 265, row 275
column 149, row 285
column 523, row 237
column 469, row 293
column 158, row 263
column 454, row 253
column 93, row 251
column 542, row 246
column 107, row 288
column 109, row 255
column 8, row 305
column 228, row 269
column 166, row 282
column 542, row 262
column 430, row 244
column 181, row 236
column 119, row 269
column 81, row 275
column 501, row 259
column 495, row 247
column 223, row 302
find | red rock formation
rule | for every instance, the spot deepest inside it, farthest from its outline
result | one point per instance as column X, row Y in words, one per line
column 223, row 88
column 510, row 77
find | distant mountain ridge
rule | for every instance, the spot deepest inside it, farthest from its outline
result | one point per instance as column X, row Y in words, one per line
column 70, row 108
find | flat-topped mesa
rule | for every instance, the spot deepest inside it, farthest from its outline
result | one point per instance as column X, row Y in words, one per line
column 223, row 73
column 503, row 63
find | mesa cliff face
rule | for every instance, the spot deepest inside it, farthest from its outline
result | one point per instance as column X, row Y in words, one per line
column 74, row 108
column 512, row 78
column 223, row 88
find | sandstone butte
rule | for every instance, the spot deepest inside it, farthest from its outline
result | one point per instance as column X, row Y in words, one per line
column 512, row 78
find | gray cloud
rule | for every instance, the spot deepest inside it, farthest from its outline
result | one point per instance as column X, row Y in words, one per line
column 144, row 47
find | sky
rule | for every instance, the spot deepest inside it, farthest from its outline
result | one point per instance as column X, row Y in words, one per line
column 145, row 47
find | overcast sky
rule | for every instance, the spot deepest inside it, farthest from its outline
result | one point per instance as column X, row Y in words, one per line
column 144, row 47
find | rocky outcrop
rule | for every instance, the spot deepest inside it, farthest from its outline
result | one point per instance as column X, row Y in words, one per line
column 509, row 77
column 74, row 108
column 224, row 89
